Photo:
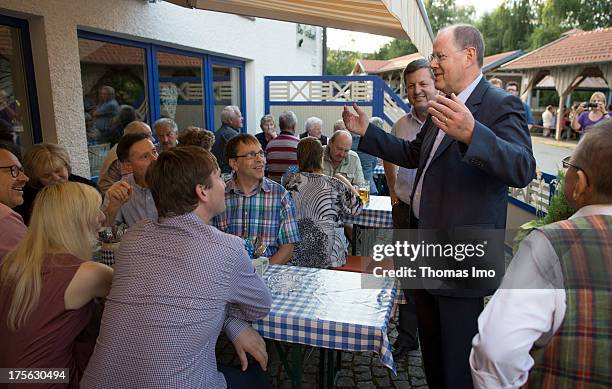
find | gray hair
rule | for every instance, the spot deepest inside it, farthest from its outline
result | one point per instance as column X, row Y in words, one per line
column 165, row 122
column 266, row 118
column 228, row 113
column 592, row 152
column 339, row 125
column 338, row 134
column 311, row 121
column 109, row 89
column 287, row 121
column 466, row 35
column 378, row 122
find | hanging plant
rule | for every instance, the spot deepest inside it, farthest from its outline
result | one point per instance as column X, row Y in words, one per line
column 559, row 209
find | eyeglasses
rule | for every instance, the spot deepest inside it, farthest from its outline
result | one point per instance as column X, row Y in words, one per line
column 441, row 57
column 252, row 155
column 566, row 165
column 15, row 170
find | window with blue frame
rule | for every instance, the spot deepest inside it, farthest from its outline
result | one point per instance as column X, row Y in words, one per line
column 180, row 88
column 226, row 89
column 19, row 120
column 125, row 80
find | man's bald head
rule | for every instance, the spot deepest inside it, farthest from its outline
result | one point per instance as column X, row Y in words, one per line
column 137, row 127
column 594, row 154
column 340, row 135
column 339, row 145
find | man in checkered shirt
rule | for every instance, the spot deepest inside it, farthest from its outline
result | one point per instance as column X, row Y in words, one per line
column 178, row 282
column 255, row 205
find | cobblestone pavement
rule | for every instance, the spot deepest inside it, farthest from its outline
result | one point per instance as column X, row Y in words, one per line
column 362, row 370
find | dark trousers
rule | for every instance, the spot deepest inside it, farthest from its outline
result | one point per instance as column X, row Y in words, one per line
column 447, row 326
column 407, row 326
column 252, row 378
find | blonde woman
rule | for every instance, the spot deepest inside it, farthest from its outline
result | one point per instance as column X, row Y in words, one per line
column 48, row 284
column 45, row 164
column 591, row 113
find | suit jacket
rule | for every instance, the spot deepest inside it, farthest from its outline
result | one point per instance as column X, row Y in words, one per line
column 222, row 136
column 466, row 186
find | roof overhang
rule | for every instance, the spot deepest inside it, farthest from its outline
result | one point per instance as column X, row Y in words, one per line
column 404, row 19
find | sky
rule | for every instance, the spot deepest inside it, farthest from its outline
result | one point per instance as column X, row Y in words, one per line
column 369, row 43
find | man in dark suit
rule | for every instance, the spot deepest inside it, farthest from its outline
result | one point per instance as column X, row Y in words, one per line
column 474, row 145
column 231, row 119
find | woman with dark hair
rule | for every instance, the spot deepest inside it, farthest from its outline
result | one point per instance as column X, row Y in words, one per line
column 322, row 203
column 127, row 114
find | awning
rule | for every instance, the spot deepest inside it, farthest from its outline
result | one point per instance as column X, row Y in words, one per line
column 404, row 19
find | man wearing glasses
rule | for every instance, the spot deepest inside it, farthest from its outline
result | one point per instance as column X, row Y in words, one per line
column 255, row 205
column 12, row 181
column 555, row 298
column 474, row 145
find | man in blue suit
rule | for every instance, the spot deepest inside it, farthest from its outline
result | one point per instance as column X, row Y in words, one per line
column 474, row 145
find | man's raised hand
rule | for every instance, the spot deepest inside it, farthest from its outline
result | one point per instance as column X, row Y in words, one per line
column 357, row 124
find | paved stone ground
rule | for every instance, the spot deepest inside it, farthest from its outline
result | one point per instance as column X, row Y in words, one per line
column 361, row 370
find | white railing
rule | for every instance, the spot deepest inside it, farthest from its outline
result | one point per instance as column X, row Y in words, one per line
column 536, row 194
column 392, row 109
column 318, row 90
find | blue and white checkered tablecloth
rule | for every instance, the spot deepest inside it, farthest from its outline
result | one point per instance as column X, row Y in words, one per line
column 329, row 309
column 377, row 213
column 379, row 169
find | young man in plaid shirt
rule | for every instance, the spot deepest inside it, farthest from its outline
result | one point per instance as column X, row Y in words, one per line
column 255, row 205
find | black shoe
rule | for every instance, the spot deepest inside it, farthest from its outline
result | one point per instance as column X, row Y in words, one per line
column 400, row 351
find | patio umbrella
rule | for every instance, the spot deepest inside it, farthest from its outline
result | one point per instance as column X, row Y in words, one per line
column 404, row 19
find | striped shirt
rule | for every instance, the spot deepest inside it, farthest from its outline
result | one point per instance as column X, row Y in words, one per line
column 267, row 212
column 281, row 153
column 177, row 283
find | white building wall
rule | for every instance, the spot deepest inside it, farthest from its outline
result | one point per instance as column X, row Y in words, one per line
column 268, row 47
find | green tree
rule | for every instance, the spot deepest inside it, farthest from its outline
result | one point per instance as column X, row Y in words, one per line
column 395, row 48
column 341, row 62
column 558, row 16
column 508, row 27
column 443, row 13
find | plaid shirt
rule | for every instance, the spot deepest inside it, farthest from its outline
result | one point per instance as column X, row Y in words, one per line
column 267, row 212
column 578, row 354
